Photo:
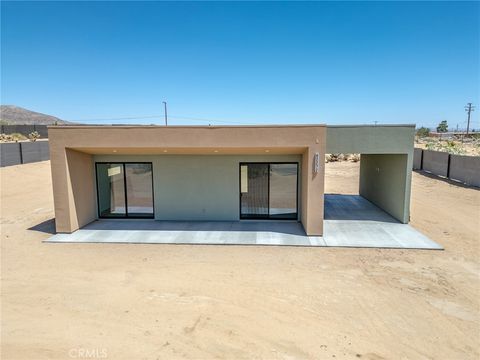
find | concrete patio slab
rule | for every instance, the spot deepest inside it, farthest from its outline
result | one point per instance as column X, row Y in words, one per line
column 350, row 221
column 192, row 232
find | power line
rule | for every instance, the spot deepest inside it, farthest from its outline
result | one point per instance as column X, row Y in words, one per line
column 141, row 117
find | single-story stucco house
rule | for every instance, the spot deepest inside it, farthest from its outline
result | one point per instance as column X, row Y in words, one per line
column 220, row 173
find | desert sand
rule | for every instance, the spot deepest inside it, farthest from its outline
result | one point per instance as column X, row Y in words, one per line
column 117, row 301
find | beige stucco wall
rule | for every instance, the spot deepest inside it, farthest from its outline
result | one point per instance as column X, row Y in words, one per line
column 74, row 190
column 72, row 147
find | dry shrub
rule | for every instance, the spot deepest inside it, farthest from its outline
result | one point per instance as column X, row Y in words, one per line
column 355, row 158
column 33, row 136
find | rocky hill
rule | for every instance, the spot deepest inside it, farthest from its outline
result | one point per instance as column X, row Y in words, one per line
column 14, row 115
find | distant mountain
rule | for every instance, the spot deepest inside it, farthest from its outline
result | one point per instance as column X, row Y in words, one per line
column 14, row 115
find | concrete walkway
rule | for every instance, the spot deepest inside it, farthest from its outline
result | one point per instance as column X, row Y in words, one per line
column 350, row 221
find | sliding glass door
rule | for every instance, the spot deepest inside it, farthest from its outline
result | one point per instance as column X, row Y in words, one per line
column 124, row 190
column 254, row 191
column 268, row 191
column 283, row 191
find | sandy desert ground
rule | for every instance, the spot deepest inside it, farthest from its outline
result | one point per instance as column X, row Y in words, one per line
column 70, row 301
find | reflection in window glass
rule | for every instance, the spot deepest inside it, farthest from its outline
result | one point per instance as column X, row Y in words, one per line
column 139, row 189
column 254, row 191
column 111, row 190
column 283, row 191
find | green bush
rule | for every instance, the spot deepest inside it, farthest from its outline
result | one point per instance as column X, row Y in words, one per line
column 423, row 132
column 443, row 126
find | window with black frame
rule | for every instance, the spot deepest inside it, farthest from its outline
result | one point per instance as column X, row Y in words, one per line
column 268, row 191
column 124, row 190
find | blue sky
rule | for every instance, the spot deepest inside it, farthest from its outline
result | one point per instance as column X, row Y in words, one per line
column 326, row 62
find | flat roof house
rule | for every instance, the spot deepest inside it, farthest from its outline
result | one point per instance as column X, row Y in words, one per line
column 220, row 173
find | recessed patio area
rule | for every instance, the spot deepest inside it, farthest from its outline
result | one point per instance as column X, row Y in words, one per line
column 350, row 221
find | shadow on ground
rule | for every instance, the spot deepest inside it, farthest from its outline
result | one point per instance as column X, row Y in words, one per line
column 47, row 227
column 445, row 180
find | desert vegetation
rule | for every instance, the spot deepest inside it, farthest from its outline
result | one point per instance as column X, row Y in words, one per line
column 342, row 157
column 455, row 145
column 16, row 137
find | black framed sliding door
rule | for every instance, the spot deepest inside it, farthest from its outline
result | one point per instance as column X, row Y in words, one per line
column 254, row 191
column 269, row 191
column 124, row 190
column 283, row 191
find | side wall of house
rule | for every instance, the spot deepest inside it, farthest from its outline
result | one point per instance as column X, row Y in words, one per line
column 74, row 188
column 383, row 181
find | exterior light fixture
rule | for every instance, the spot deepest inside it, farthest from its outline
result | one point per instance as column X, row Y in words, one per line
column 267, row 150
column 316, row 168
column 114, row 151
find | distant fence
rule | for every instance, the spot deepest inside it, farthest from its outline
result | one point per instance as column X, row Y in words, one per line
column 24, row 129
column 465, row 169
column 23, row 152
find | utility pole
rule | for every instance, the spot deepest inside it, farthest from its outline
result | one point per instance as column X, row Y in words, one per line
column 469, row 108
column 165, row 107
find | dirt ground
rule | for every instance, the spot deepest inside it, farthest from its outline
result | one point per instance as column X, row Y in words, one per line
column 77, row 301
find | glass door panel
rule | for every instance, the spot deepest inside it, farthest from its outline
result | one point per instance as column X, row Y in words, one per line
column 139, row 189
column 124, row 190
column 253, row 191
column 283, row 191
column 111, row 190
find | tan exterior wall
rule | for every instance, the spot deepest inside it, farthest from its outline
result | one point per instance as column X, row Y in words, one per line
column 72, row 147
column 74, row 190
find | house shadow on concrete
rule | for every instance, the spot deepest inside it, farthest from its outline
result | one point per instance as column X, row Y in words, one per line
column 47, row 227
column 354, row 207
column 272, row 226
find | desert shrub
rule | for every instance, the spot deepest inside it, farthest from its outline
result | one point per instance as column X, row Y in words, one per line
column 17, row 137
column 448, row 146
column 423, row 132
column 333, row 157
column 33, row 136
column 355, row 158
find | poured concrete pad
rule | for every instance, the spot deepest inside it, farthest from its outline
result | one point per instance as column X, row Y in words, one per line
column 352, row 221
column 192, row 232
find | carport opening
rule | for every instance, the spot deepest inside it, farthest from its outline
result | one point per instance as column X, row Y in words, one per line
column 365, row 187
